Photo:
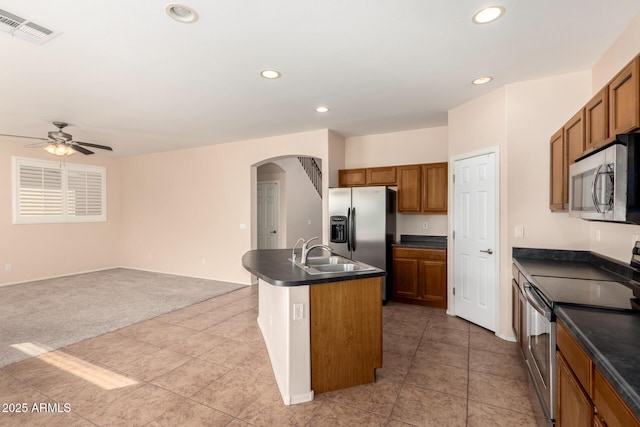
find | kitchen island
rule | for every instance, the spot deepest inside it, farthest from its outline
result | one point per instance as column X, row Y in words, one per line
column 323, row 332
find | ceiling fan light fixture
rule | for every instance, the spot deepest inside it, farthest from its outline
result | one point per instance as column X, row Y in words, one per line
column 182, row 13
column 59, row 149
column 488, row 14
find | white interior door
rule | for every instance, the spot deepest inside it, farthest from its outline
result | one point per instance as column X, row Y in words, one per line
column 475, row 252
column 268, row 214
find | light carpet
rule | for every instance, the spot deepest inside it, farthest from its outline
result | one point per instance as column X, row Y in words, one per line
column 54, row 313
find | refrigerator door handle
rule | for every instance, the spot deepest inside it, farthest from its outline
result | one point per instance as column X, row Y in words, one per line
column 349, row 229
column 352, row 229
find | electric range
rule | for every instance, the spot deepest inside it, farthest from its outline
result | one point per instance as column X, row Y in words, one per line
column 586, row 292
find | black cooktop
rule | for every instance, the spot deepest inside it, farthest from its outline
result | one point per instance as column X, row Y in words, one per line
column 584, row 292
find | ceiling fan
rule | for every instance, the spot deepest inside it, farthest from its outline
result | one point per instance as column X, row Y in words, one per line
column 61, row 143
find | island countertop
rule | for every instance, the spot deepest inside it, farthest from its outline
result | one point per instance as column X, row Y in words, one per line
column 273, row 266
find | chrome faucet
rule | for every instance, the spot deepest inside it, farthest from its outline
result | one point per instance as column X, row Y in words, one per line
column 306, row 249
column 293, row 251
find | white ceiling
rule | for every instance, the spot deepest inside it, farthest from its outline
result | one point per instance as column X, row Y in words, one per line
column 122, row 73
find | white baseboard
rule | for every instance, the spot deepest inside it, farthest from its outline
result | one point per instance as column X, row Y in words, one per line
column 35, row 279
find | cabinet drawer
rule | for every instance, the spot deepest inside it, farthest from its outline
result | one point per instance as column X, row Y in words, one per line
column 611, row 410
column 415, row 253
column 576, row 358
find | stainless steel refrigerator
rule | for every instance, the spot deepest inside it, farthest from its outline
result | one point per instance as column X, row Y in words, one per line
column 363, row 227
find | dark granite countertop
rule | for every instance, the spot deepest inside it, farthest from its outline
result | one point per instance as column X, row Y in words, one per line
column 610, row 338
column 426, row 242
column 273, row 266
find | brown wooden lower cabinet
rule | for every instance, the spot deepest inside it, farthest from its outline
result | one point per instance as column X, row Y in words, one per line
column 346, row 333
column 583, row 395
column 420, row 276
column 574, row 408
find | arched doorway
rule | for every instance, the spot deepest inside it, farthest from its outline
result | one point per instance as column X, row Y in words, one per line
column 299, row 203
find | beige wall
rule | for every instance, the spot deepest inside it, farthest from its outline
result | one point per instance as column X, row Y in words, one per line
column 38, row 251
column 403, row 148
column 615, row 240
column 183, row 210
column 397, row 148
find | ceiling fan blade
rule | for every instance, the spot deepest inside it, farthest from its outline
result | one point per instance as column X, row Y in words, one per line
column 87, row 144
column 21, row 136
column 37, row 144
column 81, row 149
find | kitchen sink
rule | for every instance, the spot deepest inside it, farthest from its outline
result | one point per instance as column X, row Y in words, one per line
column 332, row 264
column 330, row 260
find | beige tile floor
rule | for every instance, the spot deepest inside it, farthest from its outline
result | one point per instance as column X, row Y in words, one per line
column 206, row 365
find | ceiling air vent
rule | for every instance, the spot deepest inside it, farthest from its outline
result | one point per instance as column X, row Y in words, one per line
column 24, row 29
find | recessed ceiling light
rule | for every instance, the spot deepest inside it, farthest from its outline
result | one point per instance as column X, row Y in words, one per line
column 322, row 109
column 482, row 80
column 182, row 13
column 488, row 14
column 270, row 74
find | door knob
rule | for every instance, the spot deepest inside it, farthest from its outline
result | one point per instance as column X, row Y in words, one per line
column 488, row 251
column 273, row 232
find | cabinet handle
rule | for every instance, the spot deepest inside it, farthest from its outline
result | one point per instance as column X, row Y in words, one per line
column 488, row 251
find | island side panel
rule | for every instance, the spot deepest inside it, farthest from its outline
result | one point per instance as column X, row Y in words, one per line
column 286, row 339
column 346, row 333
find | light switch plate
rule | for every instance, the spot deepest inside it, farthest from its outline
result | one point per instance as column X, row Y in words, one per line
column 519, row 231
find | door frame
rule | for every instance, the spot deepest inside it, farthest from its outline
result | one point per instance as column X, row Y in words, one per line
column 451, row 265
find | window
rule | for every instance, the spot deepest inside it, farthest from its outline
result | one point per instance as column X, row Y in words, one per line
column 47, row 192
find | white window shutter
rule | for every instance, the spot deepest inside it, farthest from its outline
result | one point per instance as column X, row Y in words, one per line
column 84, row 193
column 46, row 192
column 40, row 191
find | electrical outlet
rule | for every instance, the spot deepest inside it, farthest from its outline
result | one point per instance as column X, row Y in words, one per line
column 298, row 311
column 149, row 256
column 425, row 225
column 7, row 267
column 204, row 261
column 596, row 236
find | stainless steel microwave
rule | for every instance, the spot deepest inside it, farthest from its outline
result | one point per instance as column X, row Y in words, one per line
column 603, row 185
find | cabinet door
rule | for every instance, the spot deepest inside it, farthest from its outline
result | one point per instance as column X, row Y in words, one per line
column 515, row 309
column 521, row 338
column 382, row 176
column 574, row 136
column 559, row 174
column 409, row 188
column 597, row 120
column 432, row 281
column 435, row 188
column 624, row 100
column 405, row 278
column 352, row 177
column 573, row 407
column 612, row 411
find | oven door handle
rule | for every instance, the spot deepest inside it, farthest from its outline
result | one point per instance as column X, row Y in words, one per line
column 536, row 302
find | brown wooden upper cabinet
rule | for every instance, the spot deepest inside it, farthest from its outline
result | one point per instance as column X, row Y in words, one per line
column 624, row 99
column 597, row 120
column 352, row 177
column 435, row 187
column 381, row 176
column 558, row 191
column 370, row 176
column 574, row 136
column 409, row 188
column 423, row 188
